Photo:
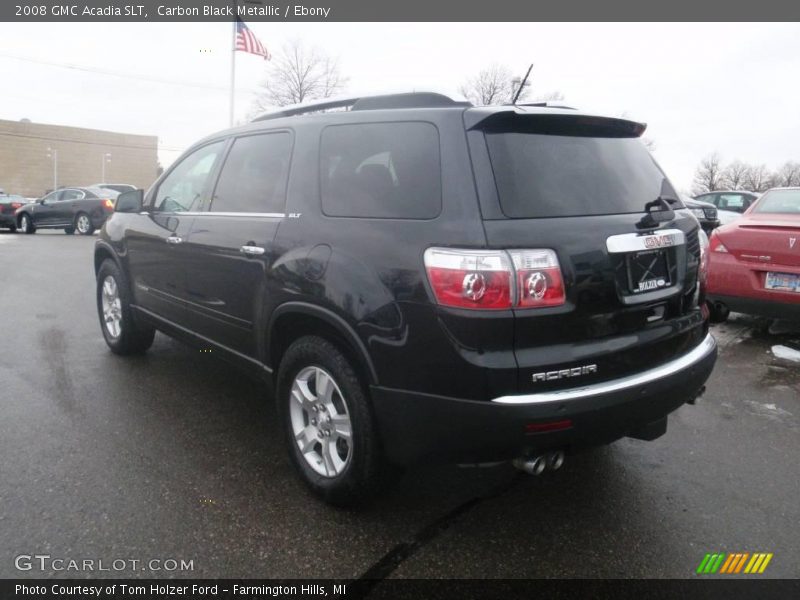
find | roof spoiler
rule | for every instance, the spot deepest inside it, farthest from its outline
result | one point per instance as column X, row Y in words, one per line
column 561, row 121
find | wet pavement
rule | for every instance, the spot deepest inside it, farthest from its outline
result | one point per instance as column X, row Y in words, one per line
column 177, row 456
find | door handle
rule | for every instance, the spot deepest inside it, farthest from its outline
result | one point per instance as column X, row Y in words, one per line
column 251, row 250
column 174, row 239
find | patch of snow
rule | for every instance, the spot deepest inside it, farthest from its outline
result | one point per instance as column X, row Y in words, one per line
column 786, row 353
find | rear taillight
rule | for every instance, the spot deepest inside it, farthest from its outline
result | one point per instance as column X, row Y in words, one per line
column 495, row 279
column 470, row 278
column 538, row 276
column 108, row 204
column 16, row 205
column 715, row 245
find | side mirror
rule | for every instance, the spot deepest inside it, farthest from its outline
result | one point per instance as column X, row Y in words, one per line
column 129, row 202
column 41, row 201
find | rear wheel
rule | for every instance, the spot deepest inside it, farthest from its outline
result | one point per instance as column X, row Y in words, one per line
column 12, row 228
column 718, row 313
column 328, row 422
column 69, row 230
column 25, row 224
column 83, row 224
column 123, row 334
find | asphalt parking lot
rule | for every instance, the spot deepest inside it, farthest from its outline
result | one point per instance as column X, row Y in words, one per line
column 175, row 455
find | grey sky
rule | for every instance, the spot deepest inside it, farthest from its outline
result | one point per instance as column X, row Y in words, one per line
column 731, row 88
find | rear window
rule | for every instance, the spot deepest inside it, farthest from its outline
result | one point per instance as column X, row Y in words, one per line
column 779, row 202
column 552, row 175
column 381, row 170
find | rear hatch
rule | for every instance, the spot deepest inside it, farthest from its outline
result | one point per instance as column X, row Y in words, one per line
column 580, row 186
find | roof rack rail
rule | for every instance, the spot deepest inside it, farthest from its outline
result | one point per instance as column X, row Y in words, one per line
column 377, row 102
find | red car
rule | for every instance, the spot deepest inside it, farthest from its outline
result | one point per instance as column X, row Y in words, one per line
column 754, row 263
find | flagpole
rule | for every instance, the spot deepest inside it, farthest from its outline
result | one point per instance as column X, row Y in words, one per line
column 233, row 68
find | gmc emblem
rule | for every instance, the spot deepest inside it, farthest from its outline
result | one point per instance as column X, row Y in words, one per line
column 659, row 241
column 564, row 373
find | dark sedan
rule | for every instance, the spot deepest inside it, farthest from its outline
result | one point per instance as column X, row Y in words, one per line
column 71, row 209
column 705, row 212
column 9, row 203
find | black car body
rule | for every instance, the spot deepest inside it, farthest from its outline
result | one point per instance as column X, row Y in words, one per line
column 72, row 209
column 495, row 290
column 9, row 203
column 705, row 212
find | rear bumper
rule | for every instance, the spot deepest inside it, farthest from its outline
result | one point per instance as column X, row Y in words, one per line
column 415, row 426
column 758, row 306
column 8, row 220
column 740, row 286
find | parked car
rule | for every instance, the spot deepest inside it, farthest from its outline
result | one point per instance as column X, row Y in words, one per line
column 117, row 187
column 737, row 201
column 421, row 279
column 754, row 263
column 71, row 209
column 705, row 212
column 9, row 203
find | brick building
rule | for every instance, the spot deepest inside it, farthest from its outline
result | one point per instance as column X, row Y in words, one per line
column 26, row 168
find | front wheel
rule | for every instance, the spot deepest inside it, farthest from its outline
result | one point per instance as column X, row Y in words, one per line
column 83, row 224
column 123, row 334
column 328, row 422
column 25, row 224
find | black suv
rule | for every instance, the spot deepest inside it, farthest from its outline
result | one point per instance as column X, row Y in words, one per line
column 420, row 278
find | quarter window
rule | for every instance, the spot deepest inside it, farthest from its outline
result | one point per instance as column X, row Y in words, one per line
column 253, row 178
column 182, row 189
column 381, row 170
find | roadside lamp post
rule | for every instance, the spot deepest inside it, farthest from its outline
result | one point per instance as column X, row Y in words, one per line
column 106, row 158
column 53, row 153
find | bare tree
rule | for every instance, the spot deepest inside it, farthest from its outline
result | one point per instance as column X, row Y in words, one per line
column 757, row 178
column 788, row 175
column 298, row 73
column 708, row 176
column 733, row 177
column 492, row 85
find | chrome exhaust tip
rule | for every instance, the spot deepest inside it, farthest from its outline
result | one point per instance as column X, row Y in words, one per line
column 534, row 465
column 555, row 460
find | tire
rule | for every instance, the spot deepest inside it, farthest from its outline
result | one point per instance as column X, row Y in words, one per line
column 83, row 224
column 26, row 224
column 12, row 228
column 123, row 334
column 69, row 230
column 718, row 313
column 347, row 477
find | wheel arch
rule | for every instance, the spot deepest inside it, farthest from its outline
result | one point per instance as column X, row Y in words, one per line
column 103, row 251
column 292, row 320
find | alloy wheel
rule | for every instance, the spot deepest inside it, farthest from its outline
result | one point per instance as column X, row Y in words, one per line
column 112, row 307
column 321, row 422
column 83, row 224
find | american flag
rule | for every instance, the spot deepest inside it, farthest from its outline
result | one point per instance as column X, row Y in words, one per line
column 246, row 41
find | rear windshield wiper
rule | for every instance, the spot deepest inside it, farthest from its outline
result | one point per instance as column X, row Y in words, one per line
column 653, row 218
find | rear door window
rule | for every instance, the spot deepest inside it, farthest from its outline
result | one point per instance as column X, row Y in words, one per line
column 381, row 170
column 554, row 175
column 253, row 178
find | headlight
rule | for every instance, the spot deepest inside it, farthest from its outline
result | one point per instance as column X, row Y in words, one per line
column 711, row 213
column 698, row 212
